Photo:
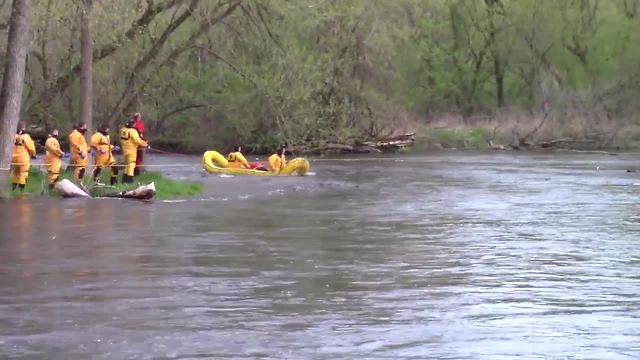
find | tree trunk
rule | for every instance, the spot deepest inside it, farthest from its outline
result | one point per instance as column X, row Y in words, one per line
column 86, row 63
column 499, row 75
column 12, row 84
column 498, row 64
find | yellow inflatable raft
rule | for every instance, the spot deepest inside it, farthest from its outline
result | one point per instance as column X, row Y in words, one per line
column 215, row 163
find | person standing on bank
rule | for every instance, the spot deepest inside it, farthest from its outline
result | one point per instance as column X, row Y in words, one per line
column 103, row 156
column 139, row 126
column 130, row 142
column 53, row 158
column 23, row 150
column 79, row 151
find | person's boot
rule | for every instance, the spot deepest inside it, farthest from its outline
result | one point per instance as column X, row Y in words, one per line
column 96, row 176
column 114, row 180
column 14, row 186
column 126, row 179
column 52, row 186
column 136, row 171
column 21, row 186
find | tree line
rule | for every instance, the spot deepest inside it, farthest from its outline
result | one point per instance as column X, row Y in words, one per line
column 212, row 73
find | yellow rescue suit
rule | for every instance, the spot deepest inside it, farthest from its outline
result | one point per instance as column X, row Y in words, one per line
column 103, row 156
column 130, row 141
column 23, row 150
column 237, row 161
column 79, row 157
column 277, row 163
column 53, row 159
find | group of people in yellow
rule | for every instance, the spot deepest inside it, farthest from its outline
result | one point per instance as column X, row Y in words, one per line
column 276, row 162
column 100, row 143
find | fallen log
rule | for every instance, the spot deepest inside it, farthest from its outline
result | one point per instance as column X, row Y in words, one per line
column 400, row 141
column 552, row 143
column 389, row 144
column 365, row 147
column 336, row 148
column 587, row 141
column 402, row 137
column 142, row 192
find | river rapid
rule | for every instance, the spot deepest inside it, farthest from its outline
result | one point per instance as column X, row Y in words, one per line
column 447, row 255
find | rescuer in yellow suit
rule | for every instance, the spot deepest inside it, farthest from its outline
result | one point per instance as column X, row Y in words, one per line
column 277, row 161
column 79, row 151
column 103, row 156
column 53, row 158
column 237, row 160
column 23, row 150
column 130, row 141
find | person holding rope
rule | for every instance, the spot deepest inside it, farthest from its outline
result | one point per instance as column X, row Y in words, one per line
column 79, row 150
column 130, row 141
column 139, row 126
column 23, row 150
column 103, row 156
column 53, row 157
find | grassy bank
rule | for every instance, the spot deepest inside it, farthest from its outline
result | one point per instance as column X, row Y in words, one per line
column 556, row 129
column 165, row 188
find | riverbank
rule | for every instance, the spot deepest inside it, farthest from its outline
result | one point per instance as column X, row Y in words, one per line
column 504, row 131
column 166, row 188
column 514, row 129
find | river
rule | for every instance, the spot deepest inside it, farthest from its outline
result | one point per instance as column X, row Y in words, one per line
column 447, row 255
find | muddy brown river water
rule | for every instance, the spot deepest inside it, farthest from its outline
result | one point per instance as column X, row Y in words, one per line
column 448, row 255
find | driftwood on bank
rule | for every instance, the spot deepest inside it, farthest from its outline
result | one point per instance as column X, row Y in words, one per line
column 142, row 192
column 588, row 143
column 392, row 143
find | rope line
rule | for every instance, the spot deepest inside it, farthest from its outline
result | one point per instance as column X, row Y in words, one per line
column 186, row 165
column 176, row 165
column 93, row 165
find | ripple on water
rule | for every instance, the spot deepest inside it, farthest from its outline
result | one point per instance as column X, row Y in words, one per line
column 454, row 256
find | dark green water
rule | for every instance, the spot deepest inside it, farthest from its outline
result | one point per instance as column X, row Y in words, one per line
column 443, row 256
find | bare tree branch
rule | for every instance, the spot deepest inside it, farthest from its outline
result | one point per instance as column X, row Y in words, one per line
column 164, row 117
column 204, row 27
column 63, row 81
column 150, row 55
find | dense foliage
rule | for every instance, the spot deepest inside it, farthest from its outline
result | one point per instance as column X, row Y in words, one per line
column 209, row 73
